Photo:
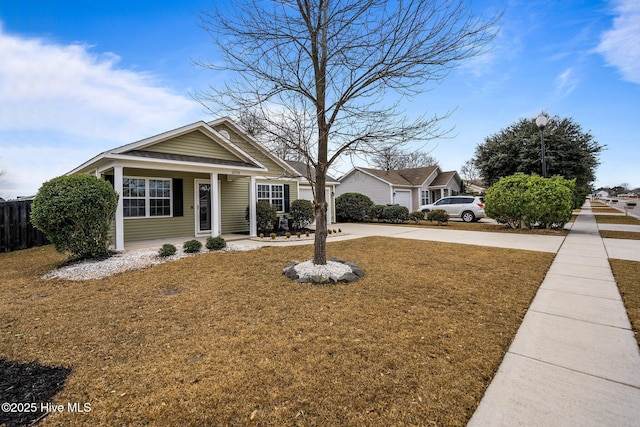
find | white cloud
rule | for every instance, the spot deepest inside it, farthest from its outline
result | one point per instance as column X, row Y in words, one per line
column 68, row 88
column 619, row 45
column 566, row 82
column 64, row 101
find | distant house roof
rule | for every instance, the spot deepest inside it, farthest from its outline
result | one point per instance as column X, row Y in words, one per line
column 443, row 179
column 307, row 172
column 409, row 177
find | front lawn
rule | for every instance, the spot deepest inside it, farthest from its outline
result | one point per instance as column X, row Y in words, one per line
column 626, row 274
column 617, row 219
column 225, row 339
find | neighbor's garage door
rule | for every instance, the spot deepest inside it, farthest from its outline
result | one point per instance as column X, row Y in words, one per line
column 307, row 194
column 402, row 198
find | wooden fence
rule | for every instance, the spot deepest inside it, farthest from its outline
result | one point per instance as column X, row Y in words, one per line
column 16, row 230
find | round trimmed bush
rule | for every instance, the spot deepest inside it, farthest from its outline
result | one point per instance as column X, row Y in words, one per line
column 75, row 213
column 353, row 207
column 266, row 216
column 215, row 243
column 302, row 213
column 167, row 250
column 192, row 246
column 439, row 215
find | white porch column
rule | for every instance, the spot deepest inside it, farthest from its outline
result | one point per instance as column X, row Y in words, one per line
column 253, row 227
column 117, row 185
column 215, row 205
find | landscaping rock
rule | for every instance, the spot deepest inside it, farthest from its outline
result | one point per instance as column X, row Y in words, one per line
column 334, row 271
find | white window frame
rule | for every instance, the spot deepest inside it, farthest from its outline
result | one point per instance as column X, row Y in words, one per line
column 270, row 198
column 147, row 196
column 424, row 197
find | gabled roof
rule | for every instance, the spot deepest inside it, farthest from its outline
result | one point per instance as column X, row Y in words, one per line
column 138, row 150
column 304, row 171
column 443, row 179
column 406, row 177
column 238, row 129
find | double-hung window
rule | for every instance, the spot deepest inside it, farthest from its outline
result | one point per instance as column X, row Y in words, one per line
column 159, row 197
column 424, row 197
column 272, row 193
column 146, row 197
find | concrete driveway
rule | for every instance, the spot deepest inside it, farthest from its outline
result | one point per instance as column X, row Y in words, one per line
column 445, row 234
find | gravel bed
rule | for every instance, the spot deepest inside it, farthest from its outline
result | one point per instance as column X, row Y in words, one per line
column 125, row 261
column 331, row 268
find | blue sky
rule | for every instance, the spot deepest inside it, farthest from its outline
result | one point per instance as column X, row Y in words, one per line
column 80, row 77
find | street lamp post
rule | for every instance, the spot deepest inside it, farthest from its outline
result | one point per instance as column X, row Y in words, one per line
column 541, row 122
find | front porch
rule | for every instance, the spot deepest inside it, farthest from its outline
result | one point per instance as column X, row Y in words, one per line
column 157, row 243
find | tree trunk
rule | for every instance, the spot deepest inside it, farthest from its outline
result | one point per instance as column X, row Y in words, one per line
column 320, row 244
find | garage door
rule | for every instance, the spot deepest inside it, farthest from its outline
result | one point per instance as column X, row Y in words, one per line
column 307, row 194
column 402, row 198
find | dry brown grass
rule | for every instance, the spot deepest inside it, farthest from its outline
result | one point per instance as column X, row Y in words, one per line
column 626, row 274
column 616, row 219
column 613, row 234
column 225, row 339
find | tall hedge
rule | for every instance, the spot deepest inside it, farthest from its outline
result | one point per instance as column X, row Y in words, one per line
column 353, row 207
column 529, row 200
column 75, row 213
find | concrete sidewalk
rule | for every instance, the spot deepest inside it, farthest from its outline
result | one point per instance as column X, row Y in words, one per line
column 575, row 360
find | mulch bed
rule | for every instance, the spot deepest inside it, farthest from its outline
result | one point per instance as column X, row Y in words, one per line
column 25, row 388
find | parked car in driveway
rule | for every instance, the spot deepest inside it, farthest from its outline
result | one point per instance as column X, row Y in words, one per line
column 469, row 208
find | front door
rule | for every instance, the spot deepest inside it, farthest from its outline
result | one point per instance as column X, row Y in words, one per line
column 203, row 208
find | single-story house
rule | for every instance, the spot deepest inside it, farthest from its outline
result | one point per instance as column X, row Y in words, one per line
column 406, row 187
column 197, row 180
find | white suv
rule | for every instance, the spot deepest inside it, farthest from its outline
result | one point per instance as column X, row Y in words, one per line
column 469, row 208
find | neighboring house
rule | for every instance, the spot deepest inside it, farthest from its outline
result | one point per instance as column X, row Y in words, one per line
column 602, row 194
column 474, row 186
column 197, row 180
column 407, row 187
column 307, row 182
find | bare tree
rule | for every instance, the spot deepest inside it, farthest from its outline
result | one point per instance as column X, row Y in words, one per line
column 342, row 68
column 393, row 158
column 469, row 170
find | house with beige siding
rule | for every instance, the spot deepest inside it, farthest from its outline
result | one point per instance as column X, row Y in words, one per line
column 198, row 180
column 407, row 187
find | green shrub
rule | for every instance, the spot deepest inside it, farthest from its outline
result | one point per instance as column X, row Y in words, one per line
column 192, row 246
column 353, row 207
column 75, row 213
column 302, row 213
column 287, row 235
column 395, row 213
column 376, row 212
column 529, row 200
column 298, row 234
column 439, row 215
column 273, row 236
column 266, row 216
column 215, row 243
column 416, row 216
column 167, row 250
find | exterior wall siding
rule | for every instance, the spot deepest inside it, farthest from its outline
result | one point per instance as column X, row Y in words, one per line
column 359, row 182
column 240, row 142
column 160, row 228
column 234, row 197
column 193, row 144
